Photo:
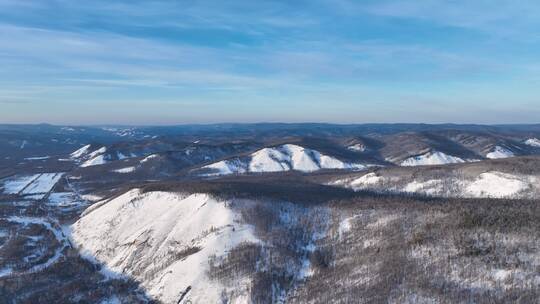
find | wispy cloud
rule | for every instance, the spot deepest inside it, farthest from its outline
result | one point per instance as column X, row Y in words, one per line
column 501, row 18
column 248, row 54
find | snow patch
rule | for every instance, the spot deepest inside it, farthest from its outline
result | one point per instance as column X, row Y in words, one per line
column 501, row 274
column 125, row 170
column 150, row 157
column 37, row 158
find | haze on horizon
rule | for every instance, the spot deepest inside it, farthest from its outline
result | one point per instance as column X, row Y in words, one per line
column 339, row 61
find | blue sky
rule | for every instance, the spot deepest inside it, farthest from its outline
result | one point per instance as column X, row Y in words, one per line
column 339, row 61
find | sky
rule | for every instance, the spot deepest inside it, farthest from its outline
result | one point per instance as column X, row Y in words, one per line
column 338, row 61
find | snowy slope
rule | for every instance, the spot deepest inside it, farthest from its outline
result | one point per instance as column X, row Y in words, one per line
column 282, row 158
column 499, row 152
column 148, row 158
column 533, row 142
column 432, row 158
column 488, row 184
column 95, row 161
column 80, row 152
column 97, row 152
column 164, row 240
column 125, row 170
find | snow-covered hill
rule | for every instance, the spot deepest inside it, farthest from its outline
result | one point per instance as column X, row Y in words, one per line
column 94, row 158
column 533, row 142
column 432, row 158
column 164, row 240
column 492, row 184
column 499, row 152
column 282, row 158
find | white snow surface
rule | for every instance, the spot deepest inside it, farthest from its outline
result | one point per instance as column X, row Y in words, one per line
column 95, row 161
column 16, row 184
column 80, row 152
column 227, row 167
column 149, row 158
column 43, row 184
column 492, row 184
column 91, row 197
column 499, row 152
column 144, row 235
column 533, row 142
column 282, row 158
column 496, row 184
column 97, row 152
column 125, row 170
column 38, row 158
column 432, row 158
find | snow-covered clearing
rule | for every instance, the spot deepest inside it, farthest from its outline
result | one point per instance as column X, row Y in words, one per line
column 16, row 184
column 43, row 184
column 91, row 197
column 496, row 184
column 38, row 158
column 148, row 158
